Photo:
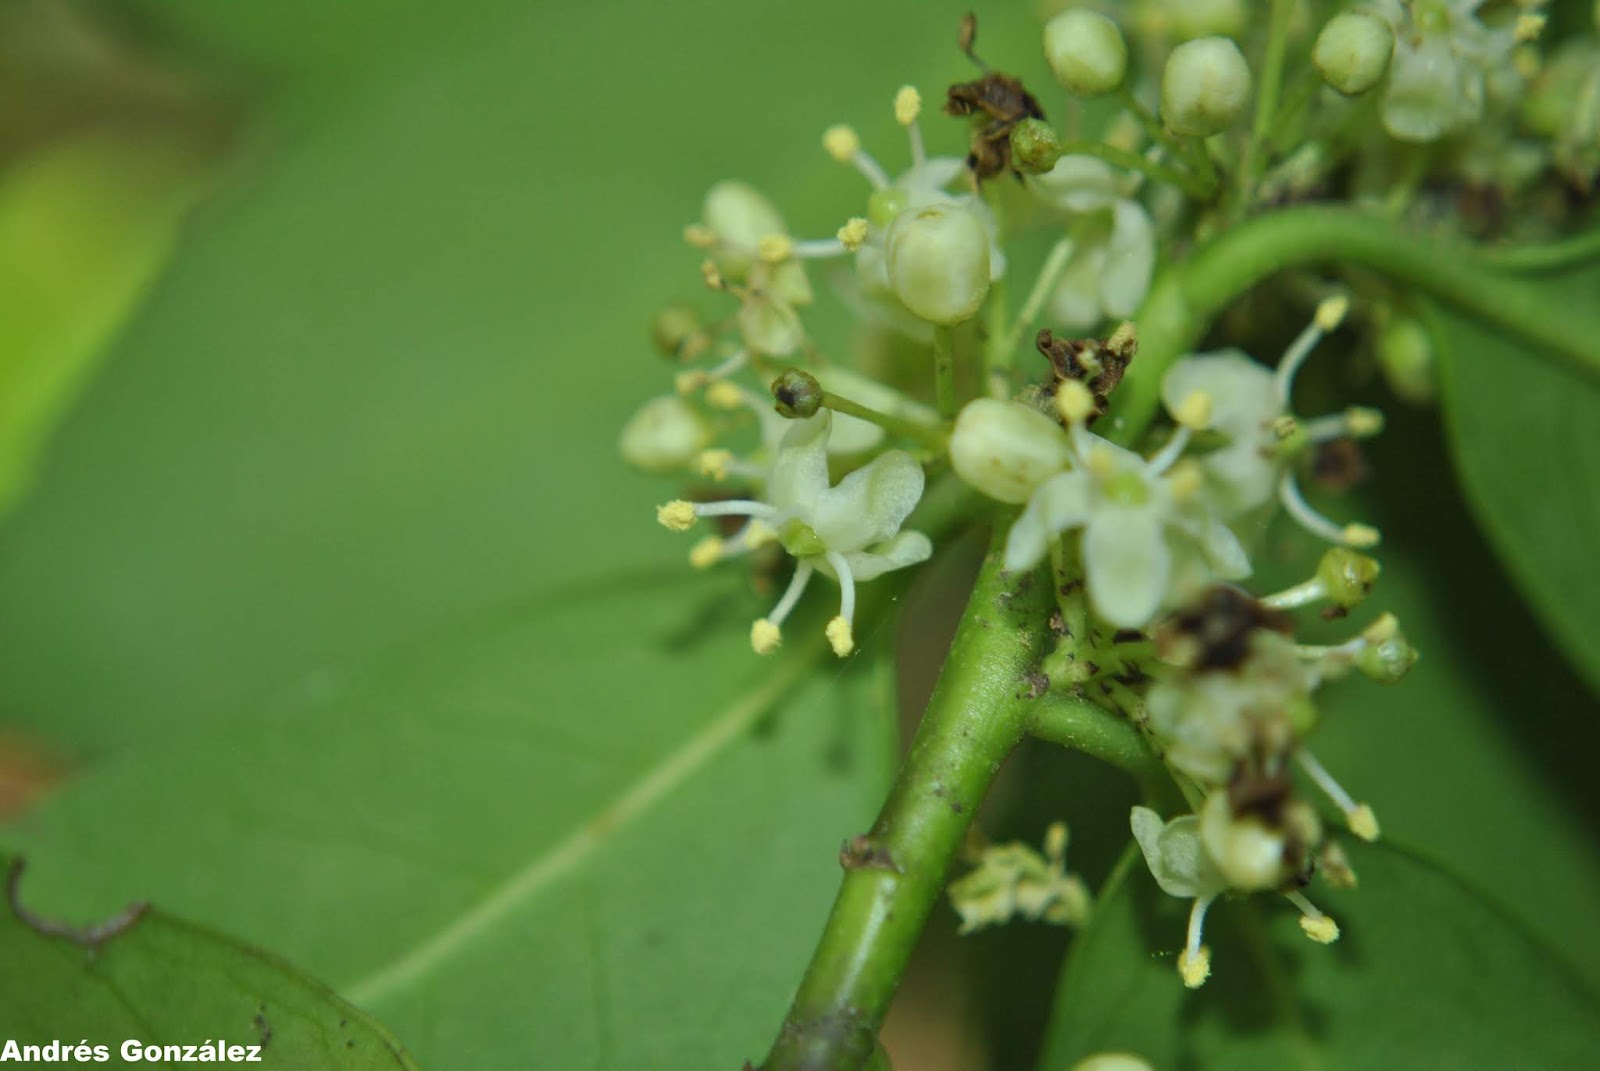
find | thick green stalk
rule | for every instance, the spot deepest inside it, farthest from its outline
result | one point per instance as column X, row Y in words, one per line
column 1188, row 296
column 979, row 711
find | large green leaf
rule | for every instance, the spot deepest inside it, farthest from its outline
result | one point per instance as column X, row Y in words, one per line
column 598, row 831
column 161, row 981
column 1426, row 974
column 1526, row 437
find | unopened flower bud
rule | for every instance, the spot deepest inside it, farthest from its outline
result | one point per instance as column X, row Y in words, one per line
column 666, row 433
column 1405, row 353
column 674, row 326
column 1086, row 51
column 937, row 258
column 1352, row 51
column 1005, row 449
column 739, row 217
column 1034, row 146
column 796, row 394
column 1387, row 656
column 1247, row 851
column 1346, row 576
column 1205, row 86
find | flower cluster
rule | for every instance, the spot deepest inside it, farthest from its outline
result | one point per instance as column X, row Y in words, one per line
column 1147, row 525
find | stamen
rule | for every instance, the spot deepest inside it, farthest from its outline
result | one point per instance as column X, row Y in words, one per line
column 724, row 395
column 819, row 248
column 853, row 235
column 766, row 634
column 1186, row 478
column 711, row 275
column 737, row 360
column 1351, row 535
column 1327, row 317
column 676, row 516
column 1194, row 411
column 1172, row 451
column 700, row 236
column 1529, row 27
column 907, row 106
column 713, row 464
column 844, row 145
column 706, row 553
column 775, row 248
column 1319, row 927
column 1357, row 422
column 839, row 629
column 1359, row 816
column 1074, row 401
column 1194, row 962
column 732, row 507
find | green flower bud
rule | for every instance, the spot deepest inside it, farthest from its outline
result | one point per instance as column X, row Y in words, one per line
column 1034, row 146
column 937, row 258
column 672, row 327
column 1006, row 450
column 1387, row 659
column 797, row 394
column 1346, row 576
column 1405, row 353
column 1086, row 51
column 666, row 433
column 1352, row 52
column 1205, row 86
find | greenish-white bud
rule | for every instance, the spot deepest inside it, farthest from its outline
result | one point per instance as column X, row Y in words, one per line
column 937, row 258
column 1387, row 658
column 1352, row 52
column 1005, row 449
column 666, row 433
column 1346, row 576
column 796, row 394
column 1034, row 146
column 1205, row 86
column 1405, row 353
column 1086, row 51
column 1247, row 851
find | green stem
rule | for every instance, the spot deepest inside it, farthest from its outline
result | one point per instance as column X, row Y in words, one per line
column 977, row 715
column 1559, row 254
column 944, row 371
column 1269, row 86
column 1188, row 296
column 1153, row 128
column 910, row 429
column 1092, row 729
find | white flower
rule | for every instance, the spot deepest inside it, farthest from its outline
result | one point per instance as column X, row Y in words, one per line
column 1113, row 243
column 850, row 532
column 1181, row 866
column 1442, row 59
column 1205, row 86
column 1134, row 514
column 1250, row 407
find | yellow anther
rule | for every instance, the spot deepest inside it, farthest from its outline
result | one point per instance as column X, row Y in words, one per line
column 1527, row 61
column 690, row 381
column 1102, row 463
column 907, row 105
column 677, row 515
column 1074, row 401
column 711, row 274
column 1330, row 313
column 724, row 395
column 1124, row 341
column 1363, row 823
column 713, row 464
column 1361, row 422
column 759, row 533
column 1384, row 629
column 1186, row 478
column 1125, row 133
column 853, row 234
column 706, row 553
column 1055, row 841
column 765, row 636
column 1529, row 27
column 842, row 142
column 1285, row 426
column 1321, row 929
column 1194, row 412
column 840, row 637
column 700, row 236
column 1195, row 969
column 1360, row 536
column 775, row 248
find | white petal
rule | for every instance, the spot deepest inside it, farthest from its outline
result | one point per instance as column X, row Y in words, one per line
column 1244, row 394
column 1126, row 563
column 1224, row 551
column 1077, row 184
column 1171, row 850
column 1061, row 502
column 800, row 467
column 869, row 505
column 1245, row 477
column 1076, row 303
column 1130, row 260
column 907, row 548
